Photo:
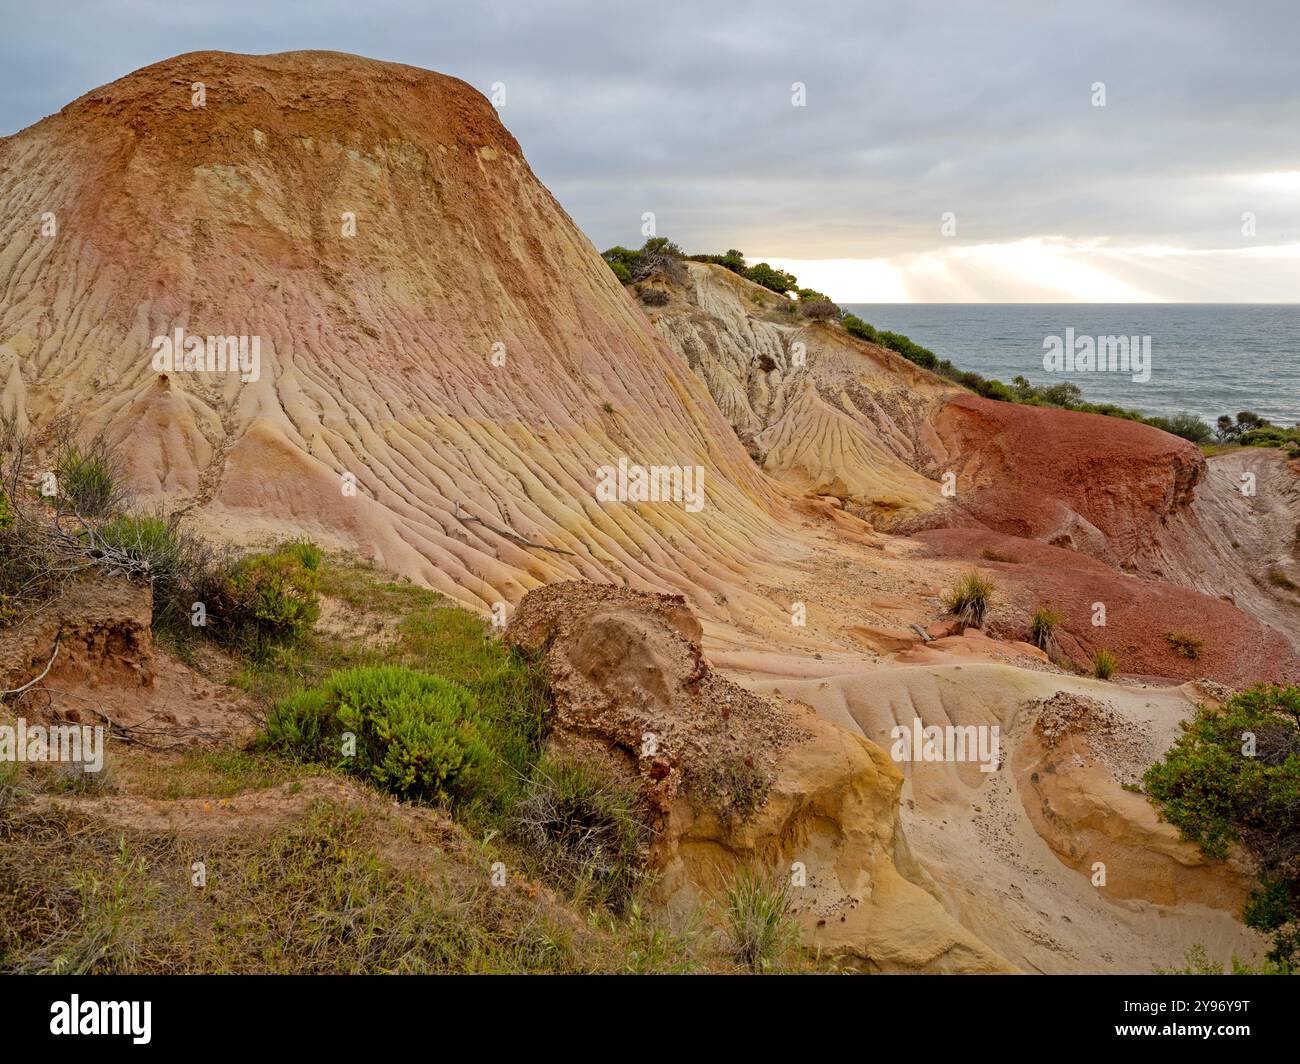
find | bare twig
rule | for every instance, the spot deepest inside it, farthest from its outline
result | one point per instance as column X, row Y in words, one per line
column 465, row 518
column 44, row 673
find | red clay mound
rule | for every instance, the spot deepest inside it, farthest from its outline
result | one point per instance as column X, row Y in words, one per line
column 1100, row 485
column 1235, row 648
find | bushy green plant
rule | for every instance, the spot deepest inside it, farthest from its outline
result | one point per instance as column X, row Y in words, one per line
column 733, row 260
column 658, row 256
column 416, row 734
column 771, row 278
column 855, row 326
column 275, row 594
column 1233, row 776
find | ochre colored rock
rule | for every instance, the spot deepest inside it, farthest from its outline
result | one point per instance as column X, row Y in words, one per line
column 625, row 666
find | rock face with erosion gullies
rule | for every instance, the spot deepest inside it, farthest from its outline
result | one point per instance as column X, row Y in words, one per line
column 1067, row 508
column 445, row 361
column 829, row 414
column 733, row 778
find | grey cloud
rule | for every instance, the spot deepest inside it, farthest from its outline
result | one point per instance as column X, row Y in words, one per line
column 684, row 109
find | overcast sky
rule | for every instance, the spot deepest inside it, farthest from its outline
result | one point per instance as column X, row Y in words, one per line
column 982, row 109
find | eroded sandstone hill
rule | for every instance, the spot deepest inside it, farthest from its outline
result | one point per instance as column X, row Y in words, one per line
column 466, row 357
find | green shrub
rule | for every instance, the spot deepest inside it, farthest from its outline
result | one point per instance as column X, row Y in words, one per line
column 1104, row 664
column 1184, row 645
column 586, row 828
column 968, row 600
column 1042, row 627
column 771, row 278
column 274, row 594
column 152, row 540
column 733, row 260
column 416, row 735
column 306, row 553
column 855, row 326
column 1233, row 776
column 1190, row 427
column 658, row 256
column 760, row 927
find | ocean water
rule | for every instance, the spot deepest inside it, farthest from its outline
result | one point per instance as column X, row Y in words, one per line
column 1208, row 359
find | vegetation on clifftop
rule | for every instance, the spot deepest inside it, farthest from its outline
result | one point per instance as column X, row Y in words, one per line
column 660, row 255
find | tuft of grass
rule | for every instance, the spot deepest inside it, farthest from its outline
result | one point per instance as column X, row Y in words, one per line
column 738, row 788
column 1042, row 627
column 968, row 600
column 91, row 480
column 1104, row 664
column 1184, row 645
column 759, row 921
column 1278, row 578
column 991, row 555
column 587, row 829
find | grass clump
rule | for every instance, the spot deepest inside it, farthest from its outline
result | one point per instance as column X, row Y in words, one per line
column 759, row 925
column 1184, row 645
column 737, row 787
column 90, row 479
column 587, row 829
column 1104, row 664
column 1278, row 578
column 968, row 600
column 1042, row 627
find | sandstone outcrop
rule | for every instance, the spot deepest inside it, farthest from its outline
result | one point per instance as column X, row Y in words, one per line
column 736, row 779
